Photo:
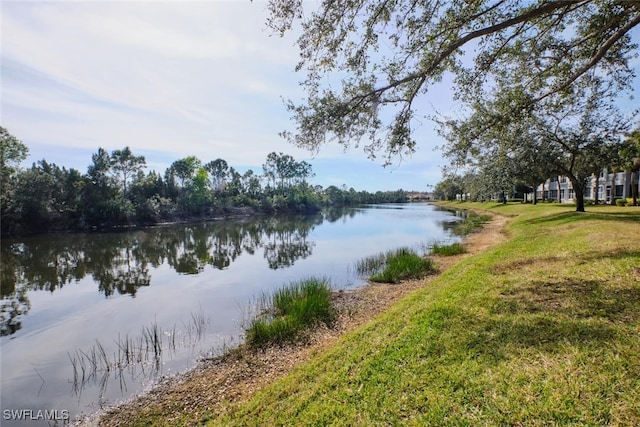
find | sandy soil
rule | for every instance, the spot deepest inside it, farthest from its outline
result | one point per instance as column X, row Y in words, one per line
column 237, row 375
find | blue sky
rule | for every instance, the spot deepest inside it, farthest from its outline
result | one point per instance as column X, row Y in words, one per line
column 173, row 79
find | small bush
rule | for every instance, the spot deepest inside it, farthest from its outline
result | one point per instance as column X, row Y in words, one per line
column 621, row 202
column 402, row 265
column 448, row 250
column 290, row 311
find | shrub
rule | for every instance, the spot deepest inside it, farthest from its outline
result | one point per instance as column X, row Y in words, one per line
column 448, row 250
column 621, row 202
column 290, row 311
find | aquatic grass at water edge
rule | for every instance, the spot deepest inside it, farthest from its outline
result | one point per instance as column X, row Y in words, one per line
column 394, row 266
column 405, row 264
column 290, row 311
column 448, row 250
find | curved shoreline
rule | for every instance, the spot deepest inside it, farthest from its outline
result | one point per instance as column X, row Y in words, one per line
column 239, row 373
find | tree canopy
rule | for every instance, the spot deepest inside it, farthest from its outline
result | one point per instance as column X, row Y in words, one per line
column 389, row 53
column 574, row 134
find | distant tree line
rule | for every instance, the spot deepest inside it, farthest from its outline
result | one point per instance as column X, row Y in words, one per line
column 116, row 191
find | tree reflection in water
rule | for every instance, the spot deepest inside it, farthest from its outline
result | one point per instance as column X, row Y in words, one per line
column 120, row 262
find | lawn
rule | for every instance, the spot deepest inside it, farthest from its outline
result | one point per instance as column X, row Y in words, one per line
column 542, row 329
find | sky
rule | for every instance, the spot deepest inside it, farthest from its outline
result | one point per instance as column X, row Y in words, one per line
column 174, row 79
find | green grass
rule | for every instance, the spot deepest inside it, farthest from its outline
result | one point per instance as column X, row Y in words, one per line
column 448, row 250
column 394, row 266
column 290, row 311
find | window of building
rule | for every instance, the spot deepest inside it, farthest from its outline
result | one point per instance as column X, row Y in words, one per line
column 619, row 190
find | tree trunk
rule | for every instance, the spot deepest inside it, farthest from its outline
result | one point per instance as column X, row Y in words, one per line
column 597, row 188
column 578, row 189
column 579, row 195
column 634, row 187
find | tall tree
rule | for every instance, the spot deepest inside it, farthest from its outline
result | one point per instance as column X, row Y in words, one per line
column 282, row 170
column 48, row 196
column 218, row 170
column 125, row 165
column 251, row 183
column 98, row 199
column 198, row 191
column 386, row 54
column 630, row 158
column 12, row 152
column 185, row 169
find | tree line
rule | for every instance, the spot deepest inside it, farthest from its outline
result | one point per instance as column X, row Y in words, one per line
column 116, row 190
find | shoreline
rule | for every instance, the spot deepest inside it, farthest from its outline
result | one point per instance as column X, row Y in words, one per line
column 239, row 373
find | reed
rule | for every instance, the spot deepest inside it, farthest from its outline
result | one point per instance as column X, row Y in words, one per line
column 403, row 264
column 132, row 352
column 448, row 250
column 471, row 223
column 290, row 311
column 371, row 264
column 394, row 266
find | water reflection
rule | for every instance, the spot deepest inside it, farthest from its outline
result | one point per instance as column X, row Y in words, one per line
column 120, row 262
column 12, row 309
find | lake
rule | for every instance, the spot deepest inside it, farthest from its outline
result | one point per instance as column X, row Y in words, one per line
column 90, row 320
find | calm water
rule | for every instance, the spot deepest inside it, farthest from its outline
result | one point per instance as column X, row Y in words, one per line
column 93, row 319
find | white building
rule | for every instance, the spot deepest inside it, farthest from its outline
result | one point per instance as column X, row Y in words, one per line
column 608, row 187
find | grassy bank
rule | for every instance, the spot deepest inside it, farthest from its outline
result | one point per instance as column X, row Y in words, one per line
column 543, row 329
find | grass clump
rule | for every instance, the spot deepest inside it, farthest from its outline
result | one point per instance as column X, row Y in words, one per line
column 448, row 250
column 403, row 264
column 290, row 311
column 470, row 223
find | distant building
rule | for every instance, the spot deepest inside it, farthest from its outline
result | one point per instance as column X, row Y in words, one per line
column 419, row 196
column 607, row 186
